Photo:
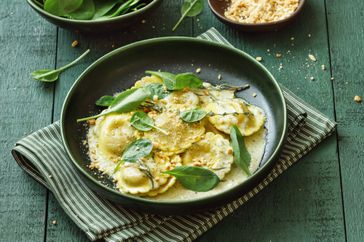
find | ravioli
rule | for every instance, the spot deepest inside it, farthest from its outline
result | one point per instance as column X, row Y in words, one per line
column 212, row 152
column 229, row 112
column 147, row 175
column 204, row 143
column 182, row 100
column 180, row 135
column 114, row 133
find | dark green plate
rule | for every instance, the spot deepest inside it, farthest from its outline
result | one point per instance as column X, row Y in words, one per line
column 98, row 26
column 120, row 69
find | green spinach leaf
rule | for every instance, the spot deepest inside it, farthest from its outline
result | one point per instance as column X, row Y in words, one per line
column 135, row 151
column 195, row 178
column 102, row 7
column 194, row 115
column 190, row 8
column 241, row 155
column 141, row 121
column 179, row 81
column 85, row 12
column 189, row 80
column 47, row 75
column 126, row 101
column 105, row 101
column 61, row 7
column 168, row 79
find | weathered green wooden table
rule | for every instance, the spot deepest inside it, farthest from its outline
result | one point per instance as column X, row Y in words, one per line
column 319, row 199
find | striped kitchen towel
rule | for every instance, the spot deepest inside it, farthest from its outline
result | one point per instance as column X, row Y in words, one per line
column 42, row 155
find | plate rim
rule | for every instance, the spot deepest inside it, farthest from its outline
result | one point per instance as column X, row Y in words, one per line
column 270, row 161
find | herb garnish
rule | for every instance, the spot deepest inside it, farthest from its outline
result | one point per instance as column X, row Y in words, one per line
column 195, row 178
column 47, row 75
column 157, row 89
column 105, row 101
column 194, row 115
column 135, row 151
column 241, row 155
column 141, row 121
column 126, row 101
column 179, row 81
column 190, row 8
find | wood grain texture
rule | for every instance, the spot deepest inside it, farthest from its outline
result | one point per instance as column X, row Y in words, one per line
column 158, row 24
column 304, row 204
column 25, row 46
column 346, row 39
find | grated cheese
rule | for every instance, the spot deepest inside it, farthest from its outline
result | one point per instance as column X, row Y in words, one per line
column 260, row 11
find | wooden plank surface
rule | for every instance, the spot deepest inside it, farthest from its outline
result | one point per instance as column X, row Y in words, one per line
column 346, row 40
column 304, row 204
column 26, row 44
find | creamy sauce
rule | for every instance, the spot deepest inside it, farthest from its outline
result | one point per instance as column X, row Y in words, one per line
column 255, row 145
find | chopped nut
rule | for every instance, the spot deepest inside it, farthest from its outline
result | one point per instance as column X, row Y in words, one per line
column 91, row 122
column 292, row 38
column 197, row 163
column 230, row 151
column 155, row 98
column 50, row 176
column 144, row 21
column 254, row 94
column 278, row 55
column 312, row 78
column 259, row 58
column 198, row 70
column 74, row 44
column 312, row 57
column 309, row 35
column 332, row 78
column 357, row 99
column 323, row 67
column 54, row 222
column 219, row 77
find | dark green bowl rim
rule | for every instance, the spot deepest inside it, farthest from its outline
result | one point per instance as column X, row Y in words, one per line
column 115, row 19
column 261, row 170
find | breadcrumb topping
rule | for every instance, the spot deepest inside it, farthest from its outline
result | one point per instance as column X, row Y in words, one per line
column 260, row 11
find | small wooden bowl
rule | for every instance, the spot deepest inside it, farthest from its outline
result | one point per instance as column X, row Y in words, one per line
column 219, row 7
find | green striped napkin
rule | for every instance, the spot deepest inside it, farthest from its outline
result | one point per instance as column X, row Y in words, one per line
column 42, row 155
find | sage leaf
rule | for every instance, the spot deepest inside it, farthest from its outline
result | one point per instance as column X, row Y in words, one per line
column 194, row 115
column 126, row 101
column 168, row 79
column 47, row 75
column 141, row 121
column 241, row 155
column 190, row 8
column 135, row 151
column 157, row 89
column 61, row 7
column 189, row 80
column 105, row 101
column 195, row 178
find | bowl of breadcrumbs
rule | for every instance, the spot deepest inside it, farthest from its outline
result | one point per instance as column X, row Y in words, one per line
column 256, row 15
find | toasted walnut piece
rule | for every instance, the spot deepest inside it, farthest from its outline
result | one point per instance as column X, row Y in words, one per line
column 74, row 44
column 312, row 57
column 357, row 99
column 259, row 58
column 91, row 122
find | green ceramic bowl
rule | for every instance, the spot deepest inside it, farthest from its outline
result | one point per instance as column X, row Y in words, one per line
column 98, row 26
column 120, row 69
